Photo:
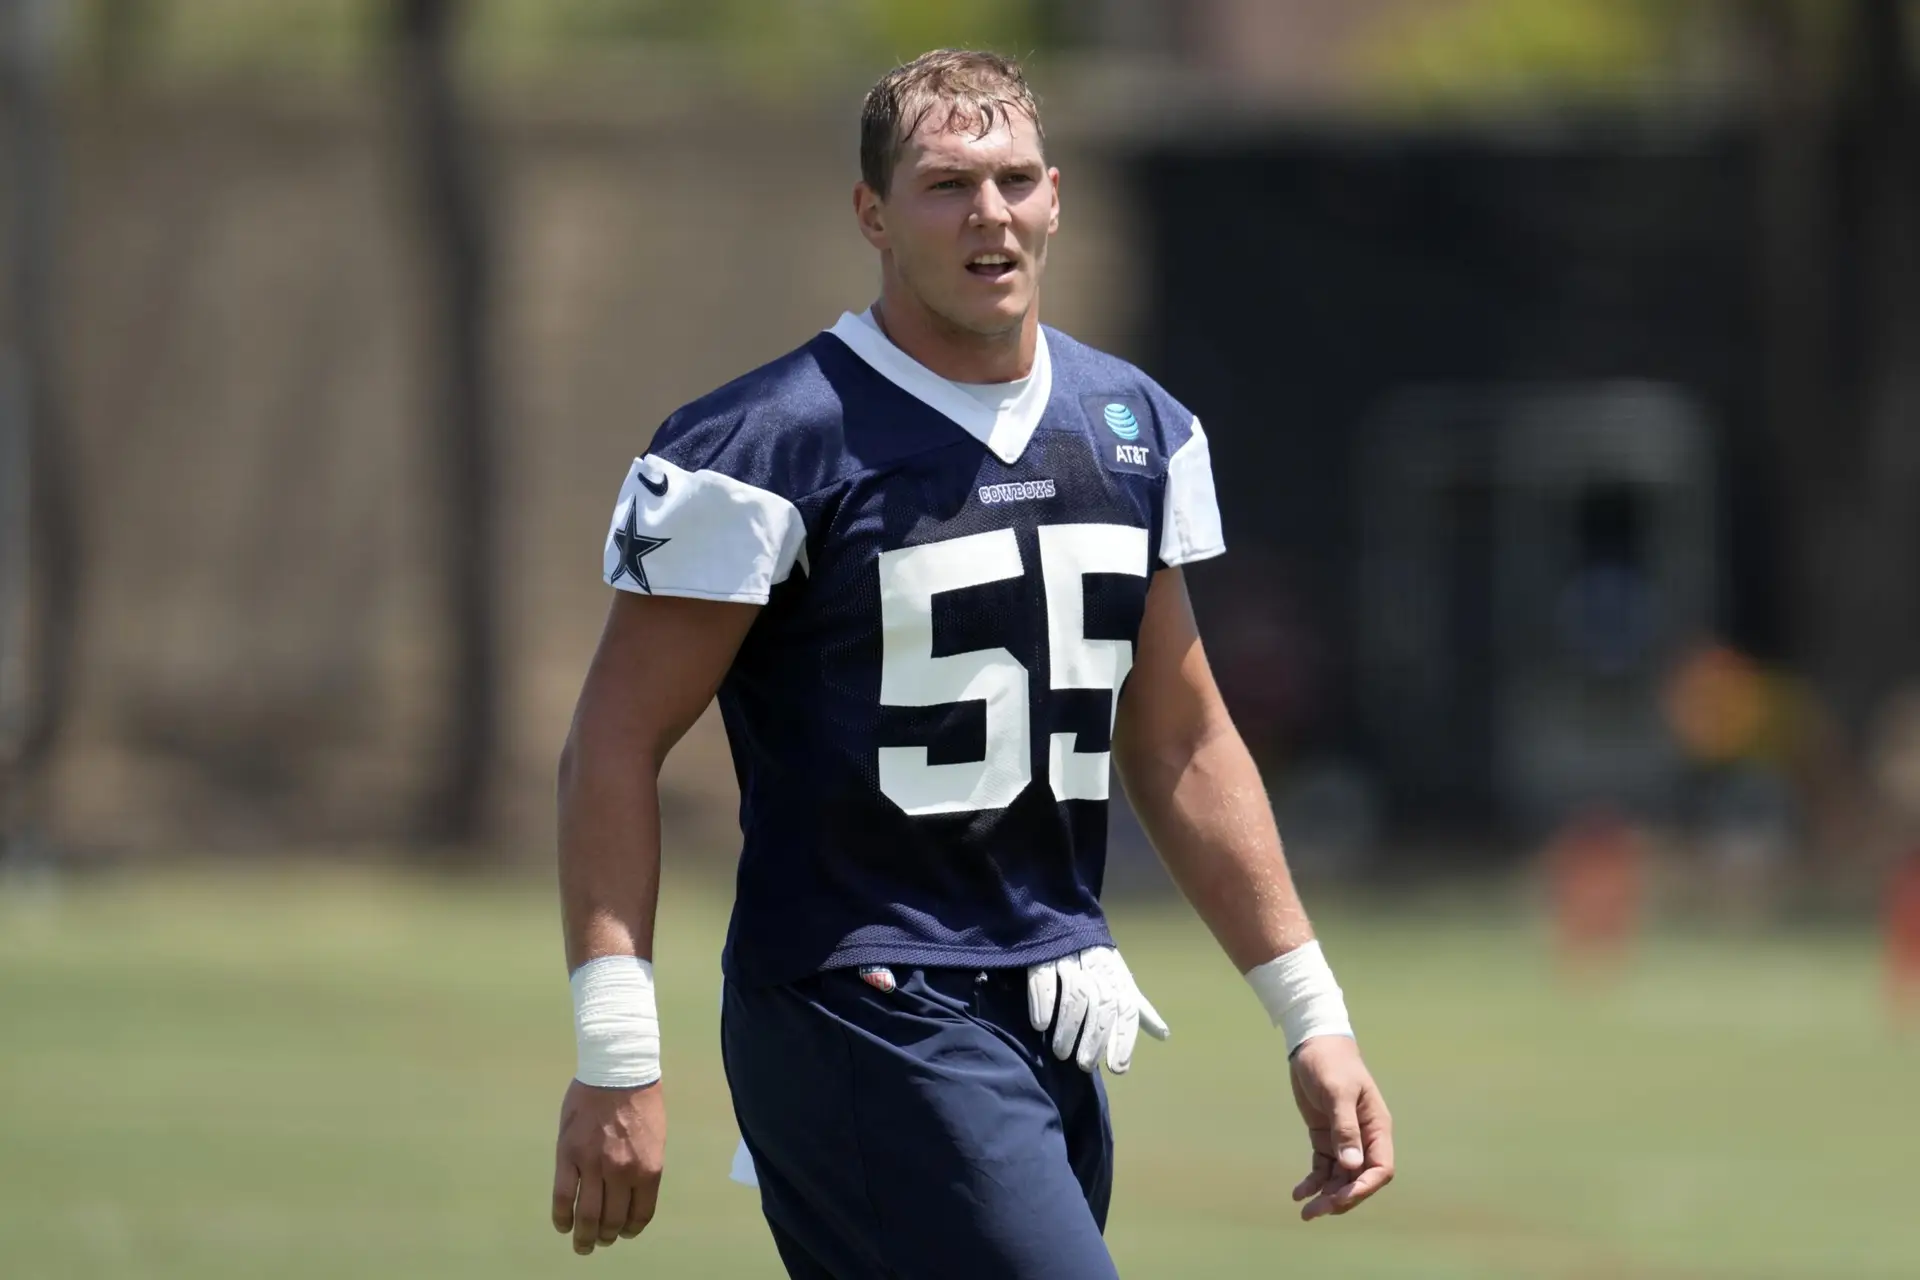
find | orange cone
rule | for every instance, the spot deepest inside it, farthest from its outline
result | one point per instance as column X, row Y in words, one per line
column 1903, row 937
column 1596, row 868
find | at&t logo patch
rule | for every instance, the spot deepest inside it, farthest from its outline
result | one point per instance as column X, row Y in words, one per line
column 1121, row 435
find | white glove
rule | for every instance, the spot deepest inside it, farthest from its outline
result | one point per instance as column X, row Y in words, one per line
column 1099, row 1007
column 743, row 1171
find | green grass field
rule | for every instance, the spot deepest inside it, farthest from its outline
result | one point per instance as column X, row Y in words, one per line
column 356, row 1075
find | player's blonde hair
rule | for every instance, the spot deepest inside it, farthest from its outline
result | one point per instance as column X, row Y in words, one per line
column 975, row 89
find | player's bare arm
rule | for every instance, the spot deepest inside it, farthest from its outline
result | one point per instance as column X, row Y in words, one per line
column 659, row 662
column 1199, row 796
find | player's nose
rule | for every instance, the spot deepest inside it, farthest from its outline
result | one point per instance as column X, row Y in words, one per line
column 989, row 207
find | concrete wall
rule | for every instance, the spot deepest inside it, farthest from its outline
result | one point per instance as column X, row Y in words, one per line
column 244, row 361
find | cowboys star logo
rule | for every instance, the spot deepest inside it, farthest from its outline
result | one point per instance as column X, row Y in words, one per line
column 632, row 547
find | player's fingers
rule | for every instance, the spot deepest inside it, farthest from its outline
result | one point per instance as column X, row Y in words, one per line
column 1043, row 989
column 1371, row 1179
column 617, row 1199
column 1126, row 1029
column 646, row 1200
column 566, row 1184
column 639, row 1214
column 1376, row 1129
column 1317, row 1176
column 1349, row 1149
column 1150, row 1020
column 1331, row 1180
column 1126, row 1033
column 1102, row 1008
column 1073, row 1008
column 586, row 1213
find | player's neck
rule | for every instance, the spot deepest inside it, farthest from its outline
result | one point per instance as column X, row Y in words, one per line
column 955, row 353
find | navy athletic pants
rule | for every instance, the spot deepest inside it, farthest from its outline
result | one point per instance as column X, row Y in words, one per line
column 921, row 1133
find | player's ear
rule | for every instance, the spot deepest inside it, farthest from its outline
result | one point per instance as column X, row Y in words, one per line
column 870, row 210
column 1053, row 220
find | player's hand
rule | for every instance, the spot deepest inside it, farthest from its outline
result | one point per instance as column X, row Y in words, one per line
column 1099, row 1008
column 606, row 1176
column 1347, row 1123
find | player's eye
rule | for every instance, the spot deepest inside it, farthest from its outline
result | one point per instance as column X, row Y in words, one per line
column 949, row 184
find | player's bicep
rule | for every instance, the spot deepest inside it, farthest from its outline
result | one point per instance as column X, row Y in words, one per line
column 1171, row 704
column 659, row 663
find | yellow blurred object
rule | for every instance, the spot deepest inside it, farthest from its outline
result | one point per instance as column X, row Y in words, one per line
column 1721, row 705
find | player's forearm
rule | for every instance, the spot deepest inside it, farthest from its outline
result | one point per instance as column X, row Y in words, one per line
column 609, row 800
column 1206, row 811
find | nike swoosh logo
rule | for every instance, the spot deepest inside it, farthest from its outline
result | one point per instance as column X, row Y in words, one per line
column 658, row 488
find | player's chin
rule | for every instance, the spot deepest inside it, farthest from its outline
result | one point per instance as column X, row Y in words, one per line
column 998, row 312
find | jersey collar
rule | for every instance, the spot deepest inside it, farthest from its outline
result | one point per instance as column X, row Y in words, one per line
column 1004, row 431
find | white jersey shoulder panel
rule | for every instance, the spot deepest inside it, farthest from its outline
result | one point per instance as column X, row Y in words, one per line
column 700, row 533
column 1190, row 529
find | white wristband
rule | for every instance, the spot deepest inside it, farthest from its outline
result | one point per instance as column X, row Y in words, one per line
column 615, row 1024
column 1301, row 996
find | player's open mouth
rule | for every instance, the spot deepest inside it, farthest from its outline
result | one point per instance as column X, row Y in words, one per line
column 991, row 265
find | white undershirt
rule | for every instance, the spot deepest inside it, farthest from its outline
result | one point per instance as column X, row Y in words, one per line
column 994, row 395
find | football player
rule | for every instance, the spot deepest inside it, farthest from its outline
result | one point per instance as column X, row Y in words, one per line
column 930, row 565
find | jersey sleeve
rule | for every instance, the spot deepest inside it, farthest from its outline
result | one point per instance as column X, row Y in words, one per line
column 1190, row 522
column 690, row 522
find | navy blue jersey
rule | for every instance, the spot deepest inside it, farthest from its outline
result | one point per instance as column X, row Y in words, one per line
column 921, row 714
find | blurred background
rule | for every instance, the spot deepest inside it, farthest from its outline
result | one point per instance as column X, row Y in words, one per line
column 1561, row 360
